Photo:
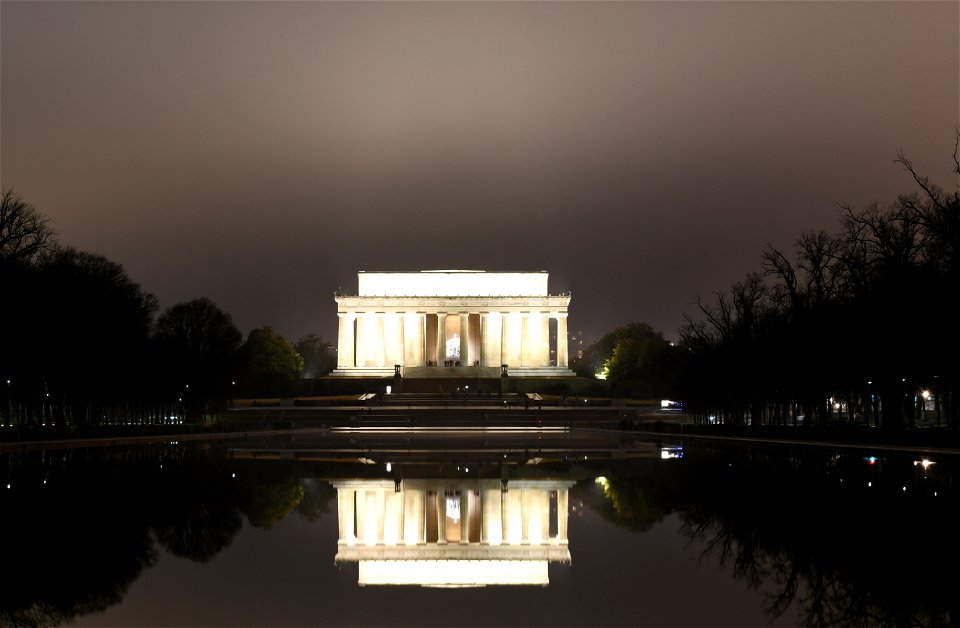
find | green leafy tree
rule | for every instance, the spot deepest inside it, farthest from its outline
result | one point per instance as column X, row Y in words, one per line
column 637, row 361
column 269, row 364
column 319, row 357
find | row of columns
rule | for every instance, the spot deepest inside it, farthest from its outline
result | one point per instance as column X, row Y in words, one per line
column 382, row 516
column 383, row 339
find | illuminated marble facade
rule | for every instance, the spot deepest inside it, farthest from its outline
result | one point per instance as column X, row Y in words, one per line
column 452, row 533
column 470, row 319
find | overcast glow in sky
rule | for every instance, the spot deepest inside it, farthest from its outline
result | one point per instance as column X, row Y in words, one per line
column 260, row 153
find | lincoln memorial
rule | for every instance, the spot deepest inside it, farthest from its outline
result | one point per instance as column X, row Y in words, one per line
column 436, row 321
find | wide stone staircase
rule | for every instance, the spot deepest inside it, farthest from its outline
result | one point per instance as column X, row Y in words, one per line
column 464, row 397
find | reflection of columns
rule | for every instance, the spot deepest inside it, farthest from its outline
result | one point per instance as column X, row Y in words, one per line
column 441, row 517
column 346, row 508
column 345, row 340
column 543, row 511
column 491, row 529
column 465, row 340
column 381, row 509
column 392, row 524
column 562, row 342
column 413, row 531
column 466, row 503
column 562, row 501
column 513, row 516
column 441, row 338
column 525, row 499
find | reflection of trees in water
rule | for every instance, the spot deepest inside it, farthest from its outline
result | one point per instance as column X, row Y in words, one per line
column 69, row 549
column 840, row 552
column 74, row 544
column 268, row 497
column 628, row 497
column 194, row 513
column 318, row 496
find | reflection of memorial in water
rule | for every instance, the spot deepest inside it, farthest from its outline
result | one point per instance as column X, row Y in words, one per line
column 452, row 533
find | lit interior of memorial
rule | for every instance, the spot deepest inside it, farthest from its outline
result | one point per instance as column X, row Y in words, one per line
column 463, row 319
column 452, row 533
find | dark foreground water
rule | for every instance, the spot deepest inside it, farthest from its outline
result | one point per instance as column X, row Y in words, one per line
column 723, row 536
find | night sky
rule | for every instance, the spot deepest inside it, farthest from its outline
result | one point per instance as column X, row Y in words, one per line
column 261, row 153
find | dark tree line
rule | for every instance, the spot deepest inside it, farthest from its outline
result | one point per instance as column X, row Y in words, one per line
column 81, row 343
column 857, row 326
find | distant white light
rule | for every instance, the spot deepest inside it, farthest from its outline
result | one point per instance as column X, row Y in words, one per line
column 389, row 467
column 389, row 389
column 666, row 453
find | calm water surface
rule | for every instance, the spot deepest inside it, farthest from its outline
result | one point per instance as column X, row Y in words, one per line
column 735, row 536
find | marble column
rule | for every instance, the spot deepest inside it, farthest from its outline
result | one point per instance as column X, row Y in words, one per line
column 513, row 341
column 525, row 348
column 544, row 351
column 562, row 341
column 393, row 338
column 381, row 342
column 504, row 342
column 441, row 340
column 465, row 357
column 345, row 341
column 361, row 340
column 491, row 327
column 412, row 339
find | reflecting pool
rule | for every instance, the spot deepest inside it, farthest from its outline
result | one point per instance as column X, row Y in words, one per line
column 272, row 533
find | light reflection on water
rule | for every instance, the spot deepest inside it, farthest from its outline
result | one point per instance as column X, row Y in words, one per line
column 718, row 537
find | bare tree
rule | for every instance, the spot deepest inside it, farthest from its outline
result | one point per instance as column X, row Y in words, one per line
column 24, row 232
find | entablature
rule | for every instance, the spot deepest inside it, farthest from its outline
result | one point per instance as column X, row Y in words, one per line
column 554, row 304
